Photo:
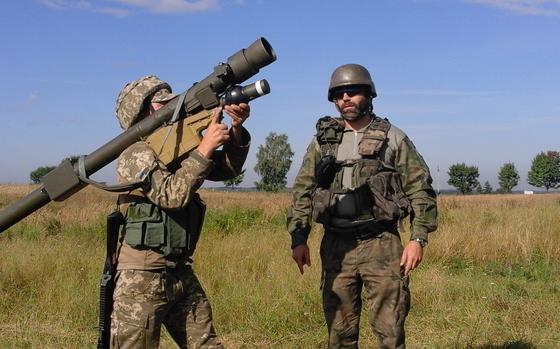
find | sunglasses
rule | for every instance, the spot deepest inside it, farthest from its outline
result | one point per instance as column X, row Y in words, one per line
column 351, row 91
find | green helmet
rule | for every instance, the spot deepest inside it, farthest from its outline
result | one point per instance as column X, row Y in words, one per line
column 136, row 95
column 351, row 74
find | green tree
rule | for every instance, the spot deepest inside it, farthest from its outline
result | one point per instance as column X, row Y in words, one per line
column 274, row 159
column 545, row 170
column 487, row 189
column 479, row 188
column 463, row 177
column 508, row 177
column 37, row 174
column 235, row 181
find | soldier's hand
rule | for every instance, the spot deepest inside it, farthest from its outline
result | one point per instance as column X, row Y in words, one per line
column 300, row 254
column 216, row 134
column 411, row 257
column 238, row 113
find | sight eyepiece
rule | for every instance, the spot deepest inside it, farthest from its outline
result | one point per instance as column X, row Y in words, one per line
column 243, row 94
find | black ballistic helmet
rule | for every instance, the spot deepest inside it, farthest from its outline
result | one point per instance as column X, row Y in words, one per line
column 351, row 74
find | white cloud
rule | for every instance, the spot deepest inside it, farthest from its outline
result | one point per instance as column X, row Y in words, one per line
column 117, row 12
column 124, row 8
column 51, row 3
column 67, row 4
column 172, row 6
column 525, row 7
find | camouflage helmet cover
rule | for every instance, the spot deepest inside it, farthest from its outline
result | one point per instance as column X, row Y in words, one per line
column 351, row 74
column 136, row 94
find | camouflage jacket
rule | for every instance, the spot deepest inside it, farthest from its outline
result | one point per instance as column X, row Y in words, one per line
column 399, row 153
column 172, row 190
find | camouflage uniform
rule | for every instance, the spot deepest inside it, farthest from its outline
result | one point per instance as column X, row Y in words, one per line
column 360, row 252
column 152, row 289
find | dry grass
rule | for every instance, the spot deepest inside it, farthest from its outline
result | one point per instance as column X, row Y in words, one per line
column 501, row 228
column 489, row 279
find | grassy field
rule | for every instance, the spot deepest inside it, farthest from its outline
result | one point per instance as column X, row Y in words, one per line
column 489, row 278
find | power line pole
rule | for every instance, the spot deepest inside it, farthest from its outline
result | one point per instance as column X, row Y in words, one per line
column 438, row 179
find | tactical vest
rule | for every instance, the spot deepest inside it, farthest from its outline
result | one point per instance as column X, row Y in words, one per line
column 378, row 192
column 173, row 232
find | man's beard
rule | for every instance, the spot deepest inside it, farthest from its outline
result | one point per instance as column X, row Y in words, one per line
column 353, row 113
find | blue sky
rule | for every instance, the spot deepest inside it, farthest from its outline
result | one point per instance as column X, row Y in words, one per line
column 473, row 81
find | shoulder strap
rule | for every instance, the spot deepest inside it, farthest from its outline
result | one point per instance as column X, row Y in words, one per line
column 329, row 134
column 374, row 137
column 82, row 175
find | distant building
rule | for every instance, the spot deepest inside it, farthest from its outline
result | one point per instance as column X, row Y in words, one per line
column 528, row 192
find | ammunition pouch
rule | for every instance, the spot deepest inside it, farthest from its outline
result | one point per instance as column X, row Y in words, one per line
column 379, row 195
column 389, row 201
column 329, row 130
column 174, row 232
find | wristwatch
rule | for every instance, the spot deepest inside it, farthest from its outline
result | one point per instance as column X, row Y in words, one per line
column 422, row 242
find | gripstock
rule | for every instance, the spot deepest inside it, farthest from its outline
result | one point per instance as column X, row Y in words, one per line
column 173, row 143
column 67, row 179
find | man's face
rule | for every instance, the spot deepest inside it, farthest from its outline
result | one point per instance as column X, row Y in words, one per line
column 351, row 101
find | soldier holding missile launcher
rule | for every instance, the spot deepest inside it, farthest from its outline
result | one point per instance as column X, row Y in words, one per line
column 155, row 283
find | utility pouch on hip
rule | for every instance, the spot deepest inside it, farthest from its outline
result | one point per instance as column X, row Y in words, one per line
column 321, row 204
column 390, row 202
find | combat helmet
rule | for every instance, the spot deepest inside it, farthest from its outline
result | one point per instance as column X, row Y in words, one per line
column 136, row 95
column 351, row 74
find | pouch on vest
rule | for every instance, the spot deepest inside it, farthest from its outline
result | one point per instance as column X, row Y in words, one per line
column 174, row 232
column 144, row 225
column 390, row 202
column 325, row 170
column 321, row 205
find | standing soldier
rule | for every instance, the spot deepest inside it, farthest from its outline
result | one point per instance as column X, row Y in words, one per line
column 359, row 177
column 155, row 283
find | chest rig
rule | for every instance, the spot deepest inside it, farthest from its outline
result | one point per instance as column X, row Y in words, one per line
column 376, row 187
column 174, row 233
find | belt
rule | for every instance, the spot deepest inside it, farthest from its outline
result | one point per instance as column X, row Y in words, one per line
column 364, row 232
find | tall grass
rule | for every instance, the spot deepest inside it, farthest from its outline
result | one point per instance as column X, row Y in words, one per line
column 489, row 278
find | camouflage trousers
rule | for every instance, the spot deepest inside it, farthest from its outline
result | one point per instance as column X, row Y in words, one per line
column 144, row 300
column 350, row 265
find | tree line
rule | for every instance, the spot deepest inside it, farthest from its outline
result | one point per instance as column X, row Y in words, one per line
column 544, row 173
column 274, row 159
